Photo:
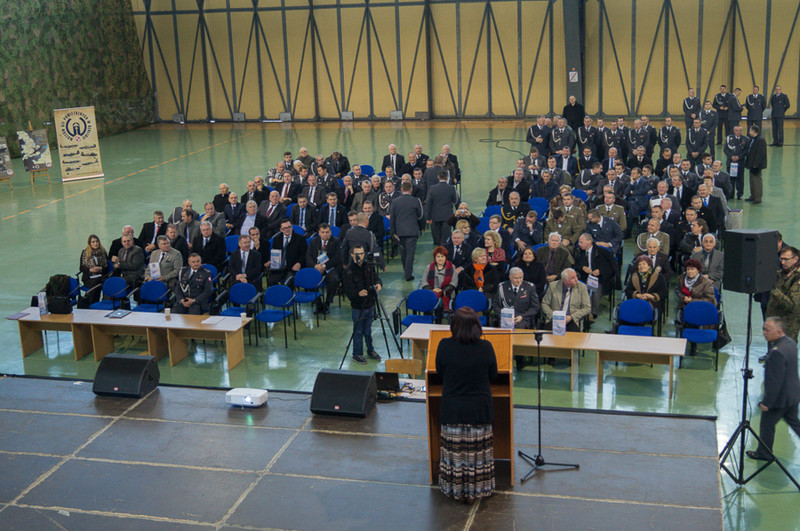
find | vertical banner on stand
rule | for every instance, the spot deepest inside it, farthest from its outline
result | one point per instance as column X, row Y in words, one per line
column 35, row 150
column 78, row 146
column 6, row 169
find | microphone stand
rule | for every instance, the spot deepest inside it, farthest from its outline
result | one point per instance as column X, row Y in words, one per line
column 537, row 461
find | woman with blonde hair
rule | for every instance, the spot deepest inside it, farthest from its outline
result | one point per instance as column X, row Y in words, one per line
column 93, row 267
column 492, row 242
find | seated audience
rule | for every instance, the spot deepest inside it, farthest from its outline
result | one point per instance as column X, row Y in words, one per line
column 711, row 260
column 570, row 295
column 168, row 263
column 481, row 275
column 93, row 266
column 442, row 278
column 210, row 246
column 520, row 295
column 647, row 283
column 246, row 265
column 532, row 270
column 129, row 262
column 692, row 286
column 528, row 231
column 495, row 254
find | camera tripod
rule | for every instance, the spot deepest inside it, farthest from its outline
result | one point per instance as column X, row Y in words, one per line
column 380, row 315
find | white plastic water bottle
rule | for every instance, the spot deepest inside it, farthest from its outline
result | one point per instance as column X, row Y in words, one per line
column 42, row 299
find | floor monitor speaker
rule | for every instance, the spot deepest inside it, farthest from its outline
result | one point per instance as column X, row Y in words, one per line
column 348, row 393
column 126, row 375
column 751, row 260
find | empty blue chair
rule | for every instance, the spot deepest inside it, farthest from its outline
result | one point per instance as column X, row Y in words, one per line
column 335, row 231
column 540, row 205
column 492, row 210
column 299, row 230
column 695, row 315
column 582, row 195
column 423, row 302
column 115, row 290
column 474, row 299
column 242, row 298
column 381, row 174
column 289, row 210
column 231, row 243
column 152, row 295
column 635, row 317
column 278, row 296
column 366, row 169
column 341, row 182
column 538, row 246
column 483, row 226
column 310, row 280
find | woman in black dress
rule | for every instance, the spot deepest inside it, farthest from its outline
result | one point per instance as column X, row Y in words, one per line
column 467, row 366
column 532, row 270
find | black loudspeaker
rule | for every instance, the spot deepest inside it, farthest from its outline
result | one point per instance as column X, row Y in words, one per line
column 349, row 393
column 751, row 260
column 126, row 375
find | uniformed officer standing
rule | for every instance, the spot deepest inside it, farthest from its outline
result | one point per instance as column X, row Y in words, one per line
column 736, row 146
column 709, row 120
column 722, row 103
column 691, row 108
column 193, row 289
column 780, row 104
column 755, row 104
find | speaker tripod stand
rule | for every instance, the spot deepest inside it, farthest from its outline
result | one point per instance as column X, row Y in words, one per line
column 740, row 434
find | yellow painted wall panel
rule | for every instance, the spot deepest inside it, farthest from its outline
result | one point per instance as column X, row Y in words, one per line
column 505, row 59
column 783, row 13
column 649, row 81
column 166, row 69
column 715, row 14
column 616, row 91
column 384, row 64
column 301, row 95
column 413, row 60
column 750, row 42
column 558, row 55
column 444, row 61
column 679, row 79
column 473, row 61
column 219, row 66
column 536, row 61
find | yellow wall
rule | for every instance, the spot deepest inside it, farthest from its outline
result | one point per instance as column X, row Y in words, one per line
column 486, row 59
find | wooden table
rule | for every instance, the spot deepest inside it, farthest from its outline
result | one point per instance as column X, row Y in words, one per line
column 609, row 347
column 93, row 331
column 564, row 347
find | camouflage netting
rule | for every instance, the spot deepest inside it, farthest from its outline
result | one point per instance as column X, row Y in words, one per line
column 71, row 53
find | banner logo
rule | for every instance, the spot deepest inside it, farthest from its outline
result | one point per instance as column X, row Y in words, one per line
column 75, row 126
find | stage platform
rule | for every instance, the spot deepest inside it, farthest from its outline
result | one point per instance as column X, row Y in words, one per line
column 182, row 459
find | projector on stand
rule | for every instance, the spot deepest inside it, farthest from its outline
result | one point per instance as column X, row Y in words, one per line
column 245, row 397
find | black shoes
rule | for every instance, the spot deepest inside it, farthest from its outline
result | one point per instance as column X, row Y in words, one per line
column 749, row 199
column 409, row 279
column 753, row 455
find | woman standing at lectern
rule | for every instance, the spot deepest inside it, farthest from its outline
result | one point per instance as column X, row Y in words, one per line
column 467, row 366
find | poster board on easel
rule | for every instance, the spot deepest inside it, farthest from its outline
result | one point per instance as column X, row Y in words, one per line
column 78, row 144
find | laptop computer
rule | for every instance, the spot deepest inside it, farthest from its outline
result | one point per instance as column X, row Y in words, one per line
column 387, row 381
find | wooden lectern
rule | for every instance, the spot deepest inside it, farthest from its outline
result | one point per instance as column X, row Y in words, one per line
column 503, row 427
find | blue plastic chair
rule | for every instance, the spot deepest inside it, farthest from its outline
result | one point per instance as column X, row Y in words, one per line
column 581, row 194
column 366, row 169
column 636, row 317
column 153, row 294
column 115, row 290
column 538, row 246
column 697, row 314
column 381, row 174
column 231, row 243
column 492, row 210
column 310, row 280
column 474, row 299
column 341, row 182
column 278, row 296
column 540, row 205
column 299, row 230
column 423, row 302
column 483, row 226
column 387, row 238
column 242, row 298
column 335, row 231
column 289, row 210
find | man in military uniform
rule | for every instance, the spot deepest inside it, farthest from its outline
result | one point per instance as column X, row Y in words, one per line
column 521, row 296
column 736, row 146
column 697, row 140
column 539, row 136
column 193, row 289
column 734, row 111
column 561, row 136
column 755, row 104
column 779, row 102
column 564, row 226
column 709, row 120
column 669, row 136
column 691, row 108
column 638, row 136
column 611, row 138
column 721, row 104
column 609, row 209
column 588, row 136
column 784, row 299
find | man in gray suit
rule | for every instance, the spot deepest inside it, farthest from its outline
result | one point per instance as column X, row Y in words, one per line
column 129, row 262
column 439, row 204
column 711, row 259
column 404, row 215
column 189, row 227
column 169, row 263
column 781, row 387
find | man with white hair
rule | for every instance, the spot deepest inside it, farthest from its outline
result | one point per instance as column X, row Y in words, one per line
column 394, row 159
column 711, row 260
column 116, row 245
column 554, row 257
column 521, row 296
column 570, row 295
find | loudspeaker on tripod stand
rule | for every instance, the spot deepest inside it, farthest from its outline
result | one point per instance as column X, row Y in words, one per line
column 751, row 260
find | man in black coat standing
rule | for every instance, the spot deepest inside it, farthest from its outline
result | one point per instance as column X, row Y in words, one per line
column 756, row 161
column 404, row 215
column 439, row 204
column 781, row 387
column 573, row 113
column 779, row 102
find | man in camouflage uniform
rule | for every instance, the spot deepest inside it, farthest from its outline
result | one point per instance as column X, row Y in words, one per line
column 784, row 299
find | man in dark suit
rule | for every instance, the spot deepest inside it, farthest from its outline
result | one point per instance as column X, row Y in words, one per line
column 393, row 159
column 325, row 255
column 129, row 262
column 697, row 142
column 451, row 159
column 292, row 248
column 714, row 203
column 246, row 264
column 251, row 219
column 178, row 242
column 374, row 222
column 193, row 288
column 152, row 230
column 554, row 257
column 458, row 251
column 605, row 231
column 274, row 213
column 405, row 212
column 680, row 190
column 755, row 104
column 517, row 183
column 253, row 194
column 314, row 192
column 116, row 245
column 339, row 163
column 544, row 187
column 566, row 162
column 521, row 296
column 499, row 194
column 333, row 213
column 595, row 261
column 639, row 158
column 587, row 160
column 431, row 175
column 735, row 149
column 781, row 387
column 709, row 120
column 347, row 192
column 305, row 216
column 210, row 246
column 779, row 102
column 288, row 191
column 220, row 200
column 756, row 162
column 439, row 204
column 233, row 210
